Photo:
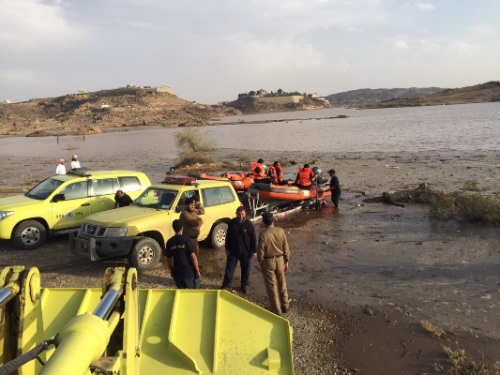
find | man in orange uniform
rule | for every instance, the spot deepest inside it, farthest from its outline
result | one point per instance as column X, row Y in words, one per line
column 276, row 173
column 305, row 177
column 259, row 172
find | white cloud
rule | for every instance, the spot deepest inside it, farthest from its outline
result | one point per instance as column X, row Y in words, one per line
column 425, row 7
column 460, row 47
column 400, row 44
column 28, row 25
column 17, row 76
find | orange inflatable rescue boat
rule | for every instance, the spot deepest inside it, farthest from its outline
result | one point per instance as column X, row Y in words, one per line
column 290, row 192
column 240, row 181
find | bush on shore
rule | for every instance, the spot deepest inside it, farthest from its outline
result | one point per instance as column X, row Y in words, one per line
column 465, row 206
column 193, row 148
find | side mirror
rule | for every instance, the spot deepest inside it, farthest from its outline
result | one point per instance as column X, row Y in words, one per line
column 59, row 197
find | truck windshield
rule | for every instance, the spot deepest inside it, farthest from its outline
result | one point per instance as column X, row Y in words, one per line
column 44, row 188
column 156, row 198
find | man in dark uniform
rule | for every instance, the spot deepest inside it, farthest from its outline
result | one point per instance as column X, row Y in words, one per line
column 122, row 199
column 180, row 259
column 334, row 187
column 273, row 255
column 240, row 246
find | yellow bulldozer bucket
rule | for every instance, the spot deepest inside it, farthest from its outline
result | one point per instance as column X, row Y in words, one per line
column 121, row 329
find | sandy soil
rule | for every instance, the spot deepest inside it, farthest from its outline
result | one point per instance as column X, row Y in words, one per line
column 362, row 278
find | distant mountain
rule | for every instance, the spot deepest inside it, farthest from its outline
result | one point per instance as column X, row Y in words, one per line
column 364, row 97
column 414, row 97
column 486, row 92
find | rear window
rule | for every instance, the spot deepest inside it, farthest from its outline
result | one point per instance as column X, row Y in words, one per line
column 217, row 195
column 130, row 183
column 105, row 186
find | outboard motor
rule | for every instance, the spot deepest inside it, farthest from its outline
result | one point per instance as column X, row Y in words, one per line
column 319, row 173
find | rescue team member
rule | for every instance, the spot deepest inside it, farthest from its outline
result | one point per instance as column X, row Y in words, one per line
column 275, row 173
column 259, row 172
column 334, row 187
column 273, row 255
column 191, row 222
column 305, row 177
column 180, row 259
column 240, row 247
column 122, row 199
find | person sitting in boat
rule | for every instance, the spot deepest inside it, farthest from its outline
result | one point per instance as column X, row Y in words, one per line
column 275, row 173
column 305, row 178
column 259, row 171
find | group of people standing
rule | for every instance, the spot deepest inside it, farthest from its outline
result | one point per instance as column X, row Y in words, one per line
column 270, row 249
column 61, row 167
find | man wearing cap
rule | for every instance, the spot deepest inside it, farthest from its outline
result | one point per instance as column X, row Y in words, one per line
column 240, row 247
column 273, row 254
column 334, row 187
column 75, row 164
column 61, row 169
column 191, row 222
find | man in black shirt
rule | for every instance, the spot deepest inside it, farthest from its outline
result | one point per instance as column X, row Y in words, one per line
column 180, row 259
column 241, row 245
column 122, row 199
column 334, row 187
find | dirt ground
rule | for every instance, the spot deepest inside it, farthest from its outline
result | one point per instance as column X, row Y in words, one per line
column 361, row 278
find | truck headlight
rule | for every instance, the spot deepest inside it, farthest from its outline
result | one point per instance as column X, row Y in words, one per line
column 5, row 214
column 116, row 232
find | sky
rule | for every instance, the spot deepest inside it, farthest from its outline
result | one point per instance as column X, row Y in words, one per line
column 209, row 51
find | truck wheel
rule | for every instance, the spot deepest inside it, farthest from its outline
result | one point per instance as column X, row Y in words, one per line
column 219, row 235
column 29, row 234
column 145, row 254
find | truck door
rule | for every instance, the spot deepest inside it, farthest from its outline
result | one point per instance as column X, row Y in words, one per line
column 103, row 194
column 71, row 205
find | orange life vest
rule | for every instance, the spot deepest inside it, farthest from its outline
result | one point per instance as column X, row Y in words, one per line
column 258, row 173
column 276, row 174
column 304, row 177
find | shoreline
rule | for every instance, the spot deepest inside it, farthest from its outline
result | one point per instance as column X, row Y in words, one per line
column 358, row 171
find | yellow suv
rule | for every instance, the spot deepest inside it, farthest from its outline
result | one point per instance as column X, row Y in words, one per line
column 142, row 229
column 58, row 204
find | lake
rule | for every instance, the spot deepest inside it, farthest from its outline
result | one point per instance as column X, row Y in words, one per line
column 466, row 127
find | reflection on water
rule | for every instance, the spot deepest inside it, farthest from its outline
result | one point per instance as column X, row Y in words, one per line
column 459, row 127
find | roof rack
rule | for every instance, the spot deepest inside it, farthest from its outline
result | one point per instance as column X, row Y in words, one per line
column 82, row 172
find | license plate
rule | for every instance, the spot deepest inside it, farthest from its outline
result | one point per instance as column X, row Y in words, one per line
column 82, row 245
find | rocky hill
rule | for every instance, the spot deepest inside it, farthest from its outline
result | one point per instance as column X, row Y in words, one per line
column 486, row 92
column 92, row 112
column 364, row 97
column 412, row 97
column 250, row 104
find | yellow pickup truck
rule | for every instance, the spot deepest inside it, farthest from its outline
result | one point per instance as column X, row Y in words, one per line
column 58, row 204
column 142, row 229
